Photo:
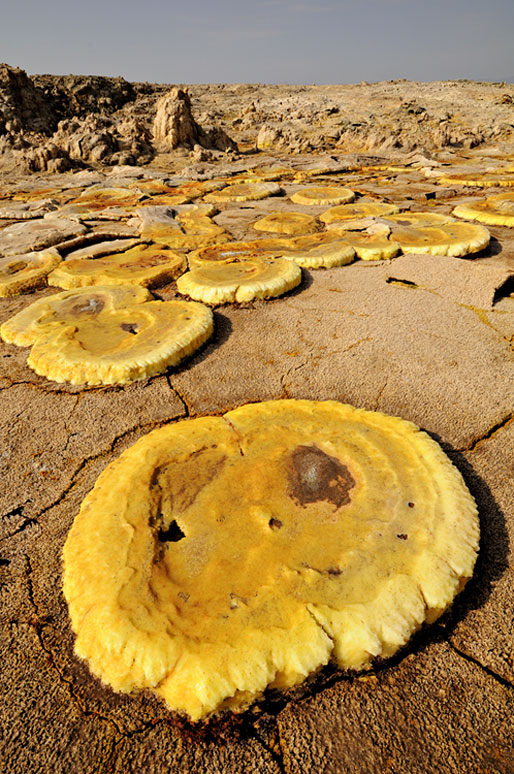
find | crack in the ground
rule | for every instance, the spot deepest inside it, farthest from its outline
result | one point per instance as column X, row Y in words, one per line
column 488, row 671
column 187, row 409
column 381, row 392
column 39, row 623
column 23, row 526
column 501, row 425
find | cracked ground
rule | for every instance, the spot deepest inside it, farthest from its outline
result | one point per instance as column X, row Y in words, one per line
column 425, row 338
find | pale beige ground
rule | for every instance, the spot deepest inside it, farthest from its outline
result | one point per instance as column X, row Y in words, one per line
column 426, row 338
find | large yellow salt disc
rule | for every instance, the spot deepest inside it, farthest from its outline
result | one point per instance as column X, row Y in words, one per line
column 452, row 238
column 94, row 201
column 318, row 251
column 418, row 219
column 479, row 180
column 68, row 307
column 494, row 211
column 220, row 556
column 261, row 175
column 122, row 345
column 287, row 223
column 323, row 195
column 146, row 265
column 228, row 252
column 20, row 273
column 244, row 192
column 360, row 209
column 239, row 281
column 372, row 247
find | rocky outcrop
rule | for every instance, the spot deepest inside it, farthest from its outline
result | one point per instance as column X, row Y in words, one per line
column 22, row 105
column 174, row 126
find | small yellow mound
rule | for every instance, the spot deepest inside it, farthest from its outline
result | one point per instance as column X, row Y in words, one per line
column 146, row 265
column 229, row 252
column 418, row 219
column 493, row 211
column 372, row 247
column 323, row 195
column 360, row 209
column 479, row 180
column 454, row 238
column 318, row 251
column 122, row 345
column 261, row 175
column 68, row 307
column 222, row 555
column 239, row 281
column 243, row 192
column 287, row 223
column 21, row 273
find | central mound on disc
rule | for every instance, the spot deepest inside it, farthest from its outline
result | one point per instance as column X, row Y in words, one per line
column 222, row 555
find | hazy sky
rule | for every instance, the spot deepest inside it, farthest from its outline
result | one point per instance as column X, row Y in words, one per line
column 272, row 41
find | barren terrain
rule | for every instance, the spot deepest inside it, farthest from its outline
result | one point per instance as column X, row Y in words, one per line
column 427, row 338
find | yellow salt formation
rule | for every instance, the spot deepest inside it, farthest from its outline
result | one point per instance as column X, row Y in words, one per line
column 121, row 345
column 313, row 251
column 318, row 251
column 372, row 247
column 358, row 210
column 244, row 192
column 288, row 223
column 229, row 252
column 220, row 283
column 452, row 238
column 96, row 202
column 323, row 195
column 418, row 219
column 66, row 308
column 221, row 556
column 146, row 265
column 493, row 211
column 479, row 179
column 21, row 273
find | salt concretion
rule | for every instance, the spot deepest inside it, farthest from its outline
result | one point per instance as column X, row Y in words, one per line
column 221, row 556
column 122, row 345
column 66, row 308
column 239, row 281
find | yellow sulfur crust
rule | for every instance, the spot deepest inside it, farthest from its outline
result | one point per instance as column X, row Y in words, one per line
column 224, row 555
column 71, row 306
column 122, row 345
column 20, row 273
column 146, row 265
column 221, row 283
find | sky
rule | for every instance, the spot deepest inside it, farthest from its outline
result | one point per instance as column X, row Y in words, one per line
column 266, row 41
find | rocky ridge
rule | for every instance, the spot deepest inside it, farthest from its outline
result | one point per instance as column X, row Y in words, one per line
column 54, row 123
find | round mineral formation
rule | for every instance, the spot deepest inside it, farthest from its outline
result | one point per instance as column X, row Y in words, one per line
column 287, row 223
column 220, row 556
column 323, row 195
column 494, row 211
column 66, row 308
column 122, row 345
column 453, row 238
column 362, row 209
column 317, row 251
column 371, row 247
column 244, row 192
column 478, row 180
column 20, row 273
column 228, row 252
column 239, row 281
column 146, row 265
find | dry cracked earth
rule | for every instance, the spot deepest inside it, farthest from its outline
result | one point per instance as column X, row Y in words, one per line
column 426, row 338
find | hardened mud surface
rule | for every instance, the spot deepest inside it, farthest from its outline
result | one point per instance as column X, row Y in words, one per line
column 428, row 338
